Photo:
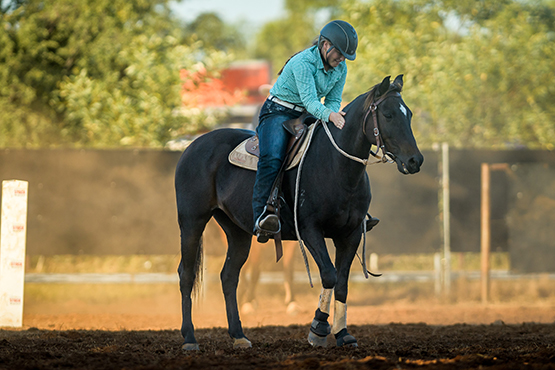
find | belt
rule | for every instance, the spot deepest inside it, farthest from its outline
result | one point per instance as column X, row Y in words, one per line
column 298, row 108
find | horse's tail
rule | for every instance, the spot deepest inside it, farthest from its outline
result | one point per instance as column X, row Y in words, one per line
column 198, row 269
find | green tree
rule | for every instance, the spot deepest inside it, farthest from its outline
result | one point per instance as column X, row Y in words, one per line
column 280, row 39
column 94, row 73
column 214, row 33
column 487, row 83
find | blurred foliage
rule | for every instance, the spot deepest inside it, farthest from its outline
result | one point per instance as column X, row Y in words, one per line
column 477, row 73
column 100, row 73
column 209, row 29
column 109, row 73
column 280, row 39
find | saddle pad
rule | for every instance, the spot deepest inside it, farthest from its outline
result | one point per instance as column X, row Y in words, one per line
column 241, row 158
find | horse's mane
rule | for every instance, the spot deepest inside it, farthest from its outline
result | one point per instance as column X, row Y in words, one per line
column 371, row 94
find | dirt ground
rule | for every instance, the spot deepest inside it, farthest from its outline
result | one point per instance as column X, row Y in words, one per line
column 391, row 346
column 142, row 333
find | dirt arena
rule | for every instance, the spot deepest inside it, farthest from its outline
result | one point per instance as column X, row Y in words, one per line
column 101, row 327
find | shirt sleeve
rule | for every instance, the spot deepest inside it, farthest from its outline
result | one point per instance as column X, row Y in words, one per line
column 335, row 96
column 306, row 86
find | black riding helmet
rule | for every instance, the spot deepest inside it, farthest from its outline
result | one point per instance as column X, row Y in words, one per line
column 342, row 36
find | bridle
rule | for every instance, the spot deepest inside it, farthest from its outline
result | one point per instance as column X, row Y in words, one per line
column 386, row 157
column 380, row 143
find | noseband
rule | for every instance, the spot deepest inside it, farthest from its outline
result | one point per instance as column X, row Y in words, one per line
column 380, row 144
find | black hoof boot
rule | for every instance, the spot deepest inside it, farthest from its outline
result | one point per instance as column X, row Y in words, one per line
column 319, row 329
column 344, row 339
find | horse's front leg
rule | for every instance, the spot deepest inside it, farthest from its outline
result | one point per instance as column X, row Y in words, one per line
column 320, row 329
column 344, row 255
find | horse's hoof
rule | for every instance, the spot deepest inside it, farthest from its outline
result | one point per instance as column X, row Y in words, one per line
column 293, row 308
column 247, row 308
column 347, row 341
column 316, row 340
column 190, row 347
column 242, row 343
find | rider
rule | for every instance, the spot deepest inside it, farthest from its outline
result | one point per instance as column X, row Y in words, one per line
column 310, row 75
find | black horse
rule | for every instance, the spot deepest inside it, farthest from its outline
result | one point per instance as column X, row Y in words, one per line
column 333, row 197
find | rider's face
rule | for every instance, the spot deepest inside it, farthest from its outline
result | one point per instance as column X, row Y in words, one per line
column 333, row 57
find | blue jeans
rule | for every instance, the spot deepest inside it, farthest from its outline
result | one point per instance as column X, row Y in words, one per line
column 272, row 139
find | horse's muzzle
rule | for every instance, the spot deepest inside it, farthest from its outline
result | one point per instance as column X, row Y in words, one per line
column 412, row 165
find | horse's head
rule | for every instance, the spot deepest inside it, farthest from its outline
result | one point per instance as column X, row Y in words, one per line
column 388, row 125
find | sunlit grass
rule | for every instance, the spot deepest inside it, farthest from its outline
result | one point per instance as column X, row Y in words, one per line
column 168, row 263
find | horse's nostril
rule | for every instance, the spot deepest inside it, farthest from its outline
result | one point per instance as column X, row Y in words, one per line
column 414, row 163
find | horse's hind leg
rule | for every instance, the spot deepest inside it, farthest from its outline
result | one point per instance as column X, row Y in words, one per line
column 189, row 270
column 289, row 249
column 239, row 243
column 247, row 288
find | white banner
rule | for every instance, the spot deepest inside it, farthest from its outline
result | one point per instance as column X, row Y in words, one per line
column 12, row 251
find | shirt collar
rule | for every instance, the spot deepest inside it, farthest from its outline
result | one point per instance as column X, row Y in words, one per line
column 319, row 62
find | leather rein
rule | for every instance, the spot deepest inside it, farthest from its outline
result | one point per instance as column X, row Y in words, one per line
column 386, row 157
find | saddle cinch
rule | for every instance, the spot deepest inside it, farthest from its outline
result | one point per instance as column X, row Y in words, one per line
column 246, row 154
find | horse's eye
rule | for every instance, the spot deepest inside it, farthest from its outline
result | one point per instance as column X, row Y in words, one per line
column 387, row 115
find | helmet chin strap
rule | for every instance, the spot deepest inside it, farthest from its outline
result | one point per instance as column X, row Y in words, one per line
column 325, row 60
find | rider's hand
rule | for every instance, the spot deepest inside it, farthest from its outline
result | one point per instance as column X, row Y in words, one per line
column 337, row 119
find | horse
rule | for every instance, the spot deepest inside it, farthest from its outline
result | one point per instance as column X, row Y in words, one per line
column 327, row 196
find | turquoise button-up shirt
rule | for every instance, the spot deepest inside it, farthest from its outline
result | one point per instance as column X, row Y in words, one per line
column 304, row 82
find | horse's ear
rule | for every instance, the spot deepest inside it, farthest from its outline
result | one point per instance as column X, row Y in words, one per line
column 398, row 83
column 384, row 86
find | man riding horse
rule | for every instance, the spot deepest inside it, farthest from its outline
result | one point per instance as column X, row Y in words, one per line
column 307, row 77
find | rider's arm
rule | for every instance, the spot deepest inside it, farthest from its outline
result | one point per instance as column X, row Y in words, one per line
column 335, row 96
column 333, row 101
column 306, row 86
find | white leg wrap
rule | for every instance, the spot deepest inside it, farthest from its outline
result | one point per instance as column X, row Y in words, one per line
column 325, row 300
column 339, row 317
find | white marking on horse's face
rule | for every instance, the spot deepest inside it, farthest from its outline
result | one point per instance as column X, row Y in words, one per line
column 403, row 109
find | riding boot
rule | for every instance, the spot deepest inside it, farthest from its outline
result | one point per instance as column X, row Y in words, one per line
column 266, row 225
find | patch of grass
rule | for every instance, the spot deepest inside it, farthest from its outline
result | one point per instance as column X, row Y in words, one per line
column 71, row 264
column 168, row 263
column 94, row 293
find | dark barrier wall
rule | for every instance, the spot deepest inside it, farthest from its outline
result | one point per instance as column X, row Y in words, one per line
column 465, row 167
column 123, row 202
column 96, row 201
column 531, row 218
column 407, row 206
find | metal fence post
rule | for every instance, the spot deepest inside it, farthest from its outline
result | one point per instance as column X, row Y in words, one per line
column 485, row 237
